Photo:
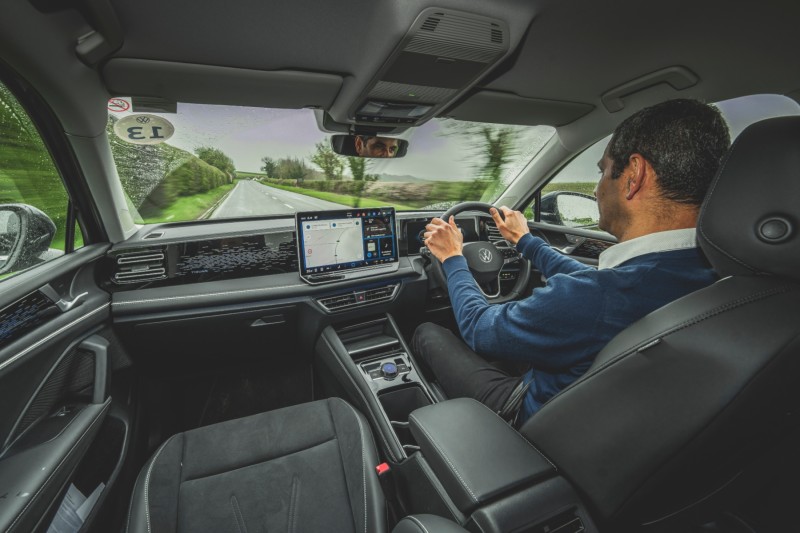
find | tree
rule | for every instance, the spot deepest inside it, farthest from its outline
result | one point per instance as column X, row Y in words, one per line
column 358, row 165
column 496, row 145
column 291, row 169
column 328, row 161
column 216, row 158
column 270, row 167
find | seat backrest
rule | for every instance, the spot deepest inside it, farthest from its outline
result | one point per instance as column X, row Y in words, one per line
column 694, row 397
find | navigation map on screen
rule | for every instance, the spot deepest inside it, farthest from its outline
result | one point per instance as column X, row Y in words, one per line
column 332, row 241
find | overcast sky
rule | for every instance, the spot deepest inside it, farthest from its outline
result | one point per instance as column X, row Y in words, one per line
column 247, row 134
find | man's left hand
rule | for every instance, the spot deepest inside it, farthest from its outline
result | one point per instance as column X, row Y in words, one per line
column 443, row 239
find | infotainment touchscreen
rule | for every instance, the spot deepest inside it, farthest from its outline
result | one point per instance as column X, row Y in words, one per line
column 346, row 244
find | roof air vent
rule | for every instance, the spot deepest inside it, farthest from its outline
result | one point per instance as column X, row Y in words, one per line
column 139, row 266
column 497, row 35
column 430, row 23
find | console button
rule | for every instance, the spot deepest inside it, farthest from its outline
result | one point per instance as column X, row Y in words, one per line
column 389, row 370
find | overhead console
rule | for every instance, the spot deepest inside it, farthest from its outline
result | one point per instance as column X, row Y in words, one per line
column 443, row 54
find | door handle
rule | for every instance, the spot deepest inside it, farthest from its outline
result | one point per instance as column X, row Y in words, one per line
column 62, row 304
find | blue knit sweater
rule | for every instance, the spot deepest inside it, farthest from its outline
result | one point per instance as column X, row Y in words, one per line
column 562, row 326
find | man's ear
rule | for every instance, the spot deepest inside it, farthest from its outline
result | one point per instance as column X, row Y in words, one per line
column 635, row 175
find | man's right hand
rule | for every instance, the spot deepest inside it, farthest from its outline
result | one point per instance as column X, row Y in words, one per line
column 513, row 227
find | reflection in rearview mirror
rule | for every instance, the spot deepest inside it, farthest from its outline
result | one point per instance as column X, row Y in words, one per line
column 369, row 146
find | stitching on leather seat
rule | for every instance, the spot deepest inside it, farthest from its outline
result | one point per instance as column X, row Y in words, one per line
column 526, row 441
column 261, row 462
column 363, row 459
column 691, row 322
column 420, row 524
column 147, row 481
column 438, row 449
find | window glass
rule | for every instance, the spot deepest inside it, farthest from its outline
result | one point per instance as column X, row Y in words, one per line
column 198, row 161
column 33, row 201
column 577, row 179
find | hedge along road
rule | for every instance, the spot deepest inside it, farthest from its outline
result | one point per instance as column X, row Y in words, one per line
column 252, row 199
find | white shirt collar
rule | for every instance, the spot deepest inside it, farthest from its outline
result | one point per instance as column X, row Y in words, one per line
column 660, row 241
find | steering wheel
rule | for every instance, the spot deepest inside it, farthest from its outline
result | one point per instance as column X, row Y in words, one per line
column 485, row 260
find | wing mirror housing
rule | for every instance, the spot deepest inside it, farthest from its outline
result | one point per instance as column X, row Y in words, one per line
column 25, row 235
column 571, row 209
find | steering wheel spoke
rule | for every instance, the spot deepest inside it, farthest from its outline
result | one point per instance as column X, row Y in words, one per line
column 486, row 260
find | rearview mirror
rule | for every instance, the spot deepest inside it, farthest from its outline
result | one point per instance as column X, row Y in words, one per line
column 571, row 209
column 25, row 235
column 369, row 146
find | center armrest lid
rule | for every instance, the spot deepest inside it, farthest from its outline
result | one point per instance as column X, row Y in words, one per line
column 475, row 453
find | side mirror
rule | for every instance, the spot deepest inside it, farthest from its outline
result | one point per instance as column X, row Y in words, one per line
column 369, row 146
column 25, row 235
column 571, row 209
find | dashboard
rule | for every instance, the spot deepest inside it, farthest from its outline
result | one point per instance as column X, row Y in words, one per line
column 224, row 267
column 199, row 252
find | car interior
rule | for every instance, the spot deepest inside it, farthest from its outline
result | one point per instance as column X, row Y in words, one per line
column 209, row 372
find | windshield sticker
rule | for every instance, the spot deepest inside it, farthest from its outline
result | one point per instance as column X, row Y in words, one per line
column 118, row 105
column 144, row 129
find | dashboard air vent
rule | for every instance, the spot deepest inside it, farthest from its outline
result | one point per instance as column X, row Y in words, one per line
column 356, row 298
column 494, row 233
column 139, row 266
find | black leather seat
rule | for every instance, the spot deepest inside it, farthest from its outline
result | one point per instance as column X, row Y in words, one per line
column 305, row 468
column 699, row 400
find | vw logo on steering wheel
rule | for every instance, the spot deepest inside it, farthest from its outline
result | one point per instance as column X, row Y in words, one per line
column 485, row 255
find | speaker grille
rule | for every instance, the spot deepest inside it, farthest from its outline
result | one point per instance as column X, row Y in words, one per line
column 459, row 37
column 386, row 90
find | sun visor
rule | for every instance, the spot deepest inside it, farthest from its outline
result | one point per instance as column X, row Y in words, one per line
column 509, row 108
column 207, row 84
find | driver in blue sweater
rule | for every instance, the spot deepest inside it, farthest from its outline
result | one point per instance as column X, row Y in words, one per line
column 655, row 172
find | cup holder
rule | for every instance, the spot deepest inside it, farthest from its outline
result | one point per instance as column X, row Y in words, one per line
column 398, row 403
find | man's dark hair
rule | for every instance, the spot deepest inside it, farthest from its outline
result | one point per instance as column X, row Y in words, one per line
column 683, row 140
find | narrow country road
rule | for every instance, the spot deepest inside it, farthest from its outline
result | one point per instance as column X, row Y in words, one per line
column 252, row 199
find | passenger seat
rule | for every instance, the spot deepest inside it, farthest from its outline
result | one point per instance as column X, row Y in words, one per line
column 305, row 468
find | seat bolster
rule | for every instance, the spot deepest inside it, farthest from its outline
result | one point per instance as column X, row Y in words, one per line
column 154, row 501
column 359, row 459
column 427, row 523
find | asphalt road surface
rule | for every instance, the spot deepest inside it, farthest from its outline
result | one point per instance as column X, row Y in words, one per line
column 252, row 199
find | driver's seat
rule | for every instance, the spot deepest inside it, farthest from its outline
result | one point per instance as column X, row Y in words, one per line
column 702, row 397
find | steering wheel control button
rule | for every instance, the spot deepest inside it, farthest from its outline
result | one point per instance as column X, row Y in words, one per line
column 389, row 370
column 775, row 230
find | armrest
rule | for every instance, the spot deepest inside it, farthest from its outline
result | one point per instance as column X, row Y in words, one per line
column 427, row 523
column 474, row 453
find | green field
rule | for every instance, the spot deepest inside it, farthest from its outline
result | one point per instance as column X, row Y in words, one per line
column 345, row 199
column 585, row 187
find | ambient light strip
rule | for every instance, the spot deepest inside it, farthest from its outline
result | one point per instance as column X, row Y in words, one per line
column 56, row 333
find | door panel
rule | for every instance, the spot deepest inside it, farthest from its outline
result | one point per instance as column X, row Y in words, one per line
column 580, row 244
column 53, row 388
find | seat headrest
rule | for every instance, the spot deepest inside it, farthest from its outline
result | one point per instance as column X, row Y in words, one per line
column 750, row 219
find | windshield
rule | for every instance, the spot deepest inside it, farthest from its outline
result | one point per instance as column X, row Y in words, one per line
column 210, row 161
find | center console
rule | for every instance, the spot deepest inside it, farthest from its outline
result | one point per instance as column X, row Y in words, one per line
column 375, row 370
column 456, row 458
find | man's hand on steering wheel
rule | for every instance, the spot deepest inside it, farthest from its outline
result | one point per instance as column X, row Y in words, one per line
column 443, row 239
column 485, row 259
column 513, row 228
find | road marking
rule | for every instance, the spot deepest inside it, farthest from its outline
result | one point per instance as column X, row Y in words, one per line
column 287, row 205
